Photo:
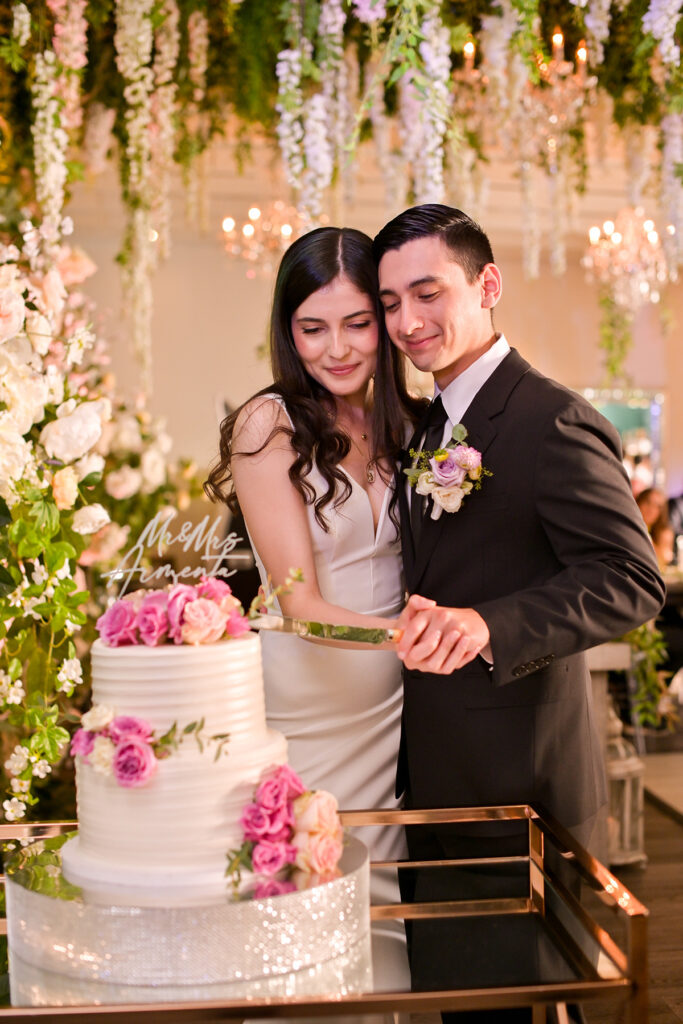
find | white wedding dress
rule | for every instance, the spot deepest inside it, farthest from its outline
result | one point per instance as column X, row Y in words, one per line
column 341, row 709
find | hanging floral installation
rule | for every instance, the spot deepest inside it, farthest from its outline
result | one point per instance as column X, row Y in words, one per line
column 440, row 91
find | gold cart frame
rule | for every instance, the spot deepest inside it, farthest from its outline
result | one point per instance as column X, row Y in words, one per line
column 628, row 982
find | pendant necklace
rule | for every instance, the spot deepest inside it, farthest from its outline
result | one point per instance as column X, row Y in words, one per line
column 369, row 471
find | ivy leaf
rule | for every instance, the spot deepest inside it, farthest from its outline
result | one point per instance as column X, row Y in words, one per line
column 7, row 584
column 5, row 516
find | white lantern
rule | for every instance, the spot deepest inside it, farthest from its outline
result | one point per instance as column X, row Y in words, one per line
column 625, row 779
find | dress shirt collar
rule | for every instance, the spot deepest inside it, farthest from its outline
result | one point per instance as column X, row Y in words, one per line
column 458, row 395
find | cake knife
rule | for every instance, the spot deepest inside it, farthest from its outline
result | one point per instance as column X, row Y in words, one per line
column 326, row 630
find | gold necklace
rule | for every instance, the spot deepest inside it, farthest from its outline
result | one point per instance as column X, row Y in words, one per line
column 369, row 471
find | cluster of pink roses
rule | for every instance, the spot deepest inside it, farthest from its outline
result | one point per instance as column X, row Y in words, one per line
column 184, row 614
column 292, row 836
column 122, row 746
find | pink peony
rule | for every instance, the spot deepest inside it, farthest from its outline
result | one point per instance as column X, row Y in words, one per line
column 267, row 858
column 295, row 786
column 255, row 822
column 273, row 887
column 213, row 588
column 153, row 619
column 124, row 726
column 448, row 472
column 134, row 762
column 317, row 852
column 118, row 625
column 178, row 597
column 316, row 811
column 82, row 743
column 203, row 622
column 237, row 624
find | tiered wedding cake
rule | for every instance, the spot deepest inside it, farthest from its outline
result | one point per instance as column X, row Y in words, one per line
column 173, row 831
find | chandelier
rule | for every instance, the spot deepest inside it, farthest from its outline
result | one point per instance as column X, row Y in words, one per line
column 626, row 256
column 262, row 238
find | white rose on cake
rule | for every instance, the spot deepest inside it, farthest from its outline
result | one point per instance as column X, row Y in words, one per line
column 102, row 755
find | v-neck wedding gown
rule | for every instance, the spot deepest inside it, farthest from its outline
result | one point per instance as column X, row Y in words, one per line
column 341, row 709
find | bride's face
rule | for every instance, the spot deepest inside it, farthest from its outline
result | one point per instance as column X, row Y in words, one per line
column 335, row 333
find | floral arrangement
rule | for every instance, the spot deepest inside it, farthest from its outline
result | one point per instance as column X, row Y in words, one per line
column 182, row 614
column 124, row 747
column 293, row 838
column 448, row 474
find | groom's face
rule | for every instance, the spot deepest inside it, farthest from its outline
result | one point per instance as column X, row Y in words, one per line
column 433, row 314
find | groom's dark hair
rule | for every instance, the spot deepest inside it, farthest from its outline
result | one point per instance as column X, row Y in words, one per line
column 466, row 241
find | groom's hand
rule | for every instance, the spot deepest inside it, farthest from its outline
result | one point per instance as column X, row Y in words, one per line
column 439, row 639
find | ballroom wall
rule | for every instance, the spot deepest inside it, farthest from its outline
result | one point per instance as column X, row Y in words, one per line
column 209, row 320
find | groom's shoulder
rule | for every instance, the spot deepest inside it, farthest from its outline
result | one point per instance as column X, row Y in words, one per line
column 548, row 393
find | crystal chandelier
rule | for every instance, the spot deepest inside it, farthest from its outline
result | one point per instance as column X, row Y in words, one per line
column 262, row 238
column 626, row 256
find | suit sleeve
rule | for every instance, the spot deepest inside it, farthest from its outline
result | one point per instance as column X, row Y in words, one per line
column 607, row 581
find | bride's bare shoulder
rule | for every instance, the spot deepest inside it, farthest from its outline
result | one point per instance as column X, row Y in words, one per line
column 258, row 422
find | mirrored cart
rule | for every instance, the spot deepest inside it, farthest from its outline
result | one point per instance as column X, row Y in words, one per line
column 547, row 925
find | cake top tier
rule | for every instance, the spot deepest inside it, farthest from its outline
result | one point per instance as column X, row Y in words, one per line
column 181, row 614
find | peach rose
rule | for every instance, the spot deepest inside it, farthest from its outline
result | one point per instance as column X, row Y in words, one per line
column 53, row 292
column 74, row 265
column 65, row 487
column 203, row 622
column 317, row 852
column 316, row 811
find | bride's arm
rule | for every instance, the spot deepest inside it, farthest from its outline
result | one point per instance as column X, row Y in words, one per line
column 276, row 515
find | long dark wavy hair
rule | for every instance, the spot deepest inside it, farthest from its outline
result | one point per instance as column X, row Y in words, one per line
column 310, row 263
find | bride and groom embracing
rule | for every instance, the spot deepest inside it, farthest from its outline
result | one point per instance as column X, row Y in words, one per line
column 519, row 549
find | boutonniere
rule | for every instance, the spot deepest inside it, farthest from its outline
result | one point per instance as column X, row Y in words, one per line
column 447, row 474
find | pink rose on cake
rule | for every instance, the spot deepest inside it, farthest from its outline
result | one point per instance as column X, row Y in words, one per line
column 203, row 622
column 152, row 618
column 134, row 762
column 124, row 726
column 290, row 835
column 118, row 625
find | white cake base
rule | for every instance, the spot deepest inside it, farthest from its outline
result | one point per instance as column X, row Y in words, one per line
column 245, row 945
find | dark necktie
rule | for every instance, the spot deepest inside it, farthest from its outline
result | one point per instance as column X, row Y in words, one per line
column 434, row 424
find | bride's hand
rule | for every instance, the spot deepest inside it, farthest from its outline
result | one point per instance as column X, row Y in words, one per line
column 440, row 640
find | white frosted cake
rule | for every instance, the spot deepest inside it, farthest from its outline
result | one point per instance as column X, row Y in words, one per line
column 171, row 834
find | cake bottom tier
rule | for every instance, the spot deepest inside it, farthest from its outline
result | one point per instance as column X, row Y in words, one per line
column 249, row 944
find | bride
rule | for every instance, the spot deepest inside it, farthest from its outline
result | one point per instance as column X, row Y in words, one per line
column 310, row 460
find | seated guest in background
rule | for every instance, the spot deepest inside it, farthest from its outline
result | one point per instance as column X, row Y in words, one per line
column 652, row 505
column 663, row 540
column 675, row 508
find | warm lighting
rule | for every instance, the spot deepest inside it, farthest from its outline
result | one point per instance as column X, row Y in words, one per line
column 558, row 44
column 670, row 229
column 153, row 235
column 626, row 257
column 261, row 238
column 469, row 50
column 582, row 53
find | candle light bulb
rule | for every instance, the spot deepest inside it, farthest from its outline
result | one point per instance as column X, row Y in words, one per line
column 558, row 44
column 469, row 49
column 594, row 235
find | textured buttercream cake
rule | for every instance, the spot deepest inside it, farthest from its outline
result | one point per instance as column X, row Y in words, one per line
column 170, row 836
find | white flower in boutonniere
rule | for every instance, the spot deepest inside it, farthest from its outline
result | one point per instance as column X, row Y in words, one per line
column 448, row 474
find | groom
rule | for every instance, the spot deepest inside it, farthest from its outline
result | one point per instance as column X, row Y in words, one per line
column 548, row 558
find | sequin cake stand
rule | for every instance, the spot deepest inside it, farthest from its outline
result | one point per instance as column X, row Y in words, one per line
column 298, row 944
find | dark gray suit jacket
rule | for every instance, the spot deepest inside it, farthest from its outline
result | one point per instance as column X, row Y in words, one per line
column 553, row 554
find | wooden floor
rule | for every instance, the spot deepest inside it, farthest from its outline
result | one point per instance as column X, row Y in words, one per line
column 660, row 887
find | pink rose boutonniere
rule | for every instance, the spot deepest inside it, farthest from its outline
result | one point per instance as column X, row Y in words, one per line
column 292, row 837
column 448, row 474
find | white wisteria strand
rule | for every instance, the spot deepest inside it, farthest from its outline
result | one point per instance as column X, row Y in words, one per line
column 50, row 143
column 198, row 61
column 597, row 20
column 289, row 106
column 133, row 41
column 21, row 24
column 661, row 19
column 671, row 190
column 435, row 51
column 167, row 48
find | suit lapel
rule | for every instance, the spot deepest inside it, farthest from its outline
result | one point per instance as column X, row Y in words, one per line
column 480, row 421
column 407, row 539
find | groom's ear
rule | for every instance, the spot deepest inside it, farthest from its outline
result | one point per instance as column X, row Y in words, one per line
column 491, row 286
